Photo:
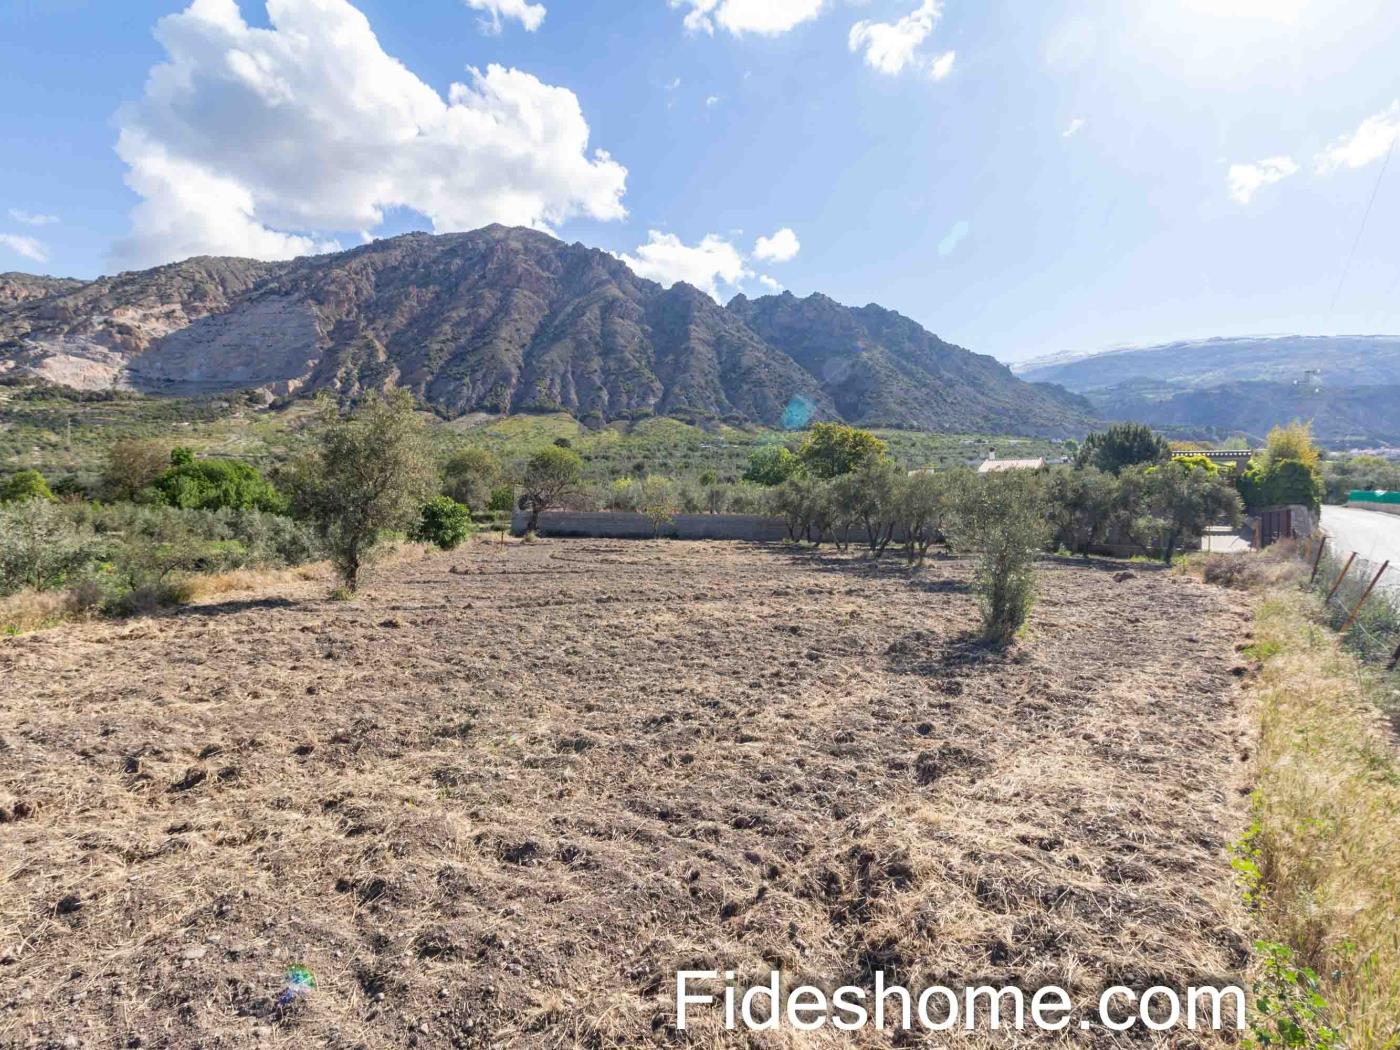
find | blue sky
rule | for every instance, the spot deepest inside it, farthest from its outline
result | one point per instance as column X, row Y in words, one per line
column 1020, row 178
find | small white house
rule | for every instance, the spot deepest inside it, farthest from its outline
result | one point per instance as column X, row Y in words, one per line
column 992, row 464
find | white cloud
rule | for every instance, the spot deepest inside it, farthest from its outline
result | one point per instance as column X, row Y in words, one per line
column 781, row 247
column 769, row 283
column 712, row 101
column 1072, row 128
column 764, row 17
column 25, row 246
column 29, row 218
column 1367, row 144
column 529, row 15
column 667, row 259
column 891, row 46
column 259, row 142
column 1245, row 180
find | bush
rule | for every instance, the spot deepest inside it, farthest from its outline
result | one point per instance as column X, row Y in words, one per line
column 444, row 523
column 1003, row 517
column 41, row 547
column 215, row 484
column 24, row 486
column 1277, row 483
column 133, row 464
column 770, row 465
column 658, row 501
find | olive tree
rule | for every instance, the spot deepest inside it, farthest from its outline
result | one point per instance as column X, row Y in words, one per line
column 368, row 472
column 658, row 499
column 1003, row 518
column 551, row 476
column 1174, row 502
column 867, row 498
column 1083, row 504
column 470, row 476
column 926, row 499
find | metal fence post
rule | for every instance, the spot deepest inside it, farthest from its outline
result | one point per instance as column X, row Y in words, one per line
column 1317, row 558
column 1345, row 569
column 1364, row 595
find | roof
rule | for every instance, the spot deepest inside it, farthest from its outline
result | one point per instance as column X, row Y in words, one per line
column 989, row 465
column 1216, row 453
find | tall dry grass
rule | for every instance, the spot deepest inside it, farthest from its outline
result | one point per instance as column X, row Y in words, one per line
column 1327, row 805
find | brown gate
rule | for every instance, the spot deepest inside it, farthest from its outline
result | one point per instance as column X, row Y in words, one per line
column 1275, row 525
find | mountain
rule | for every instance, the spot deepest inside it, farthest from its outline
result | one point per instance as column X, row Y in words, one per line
column 21, row 287
column 511, row 320
column 1346, row 385
column 881, row 367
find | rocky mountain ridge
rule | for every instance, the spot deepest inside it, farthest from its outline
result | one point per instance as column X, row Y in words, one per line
column 508, row 320
column 1345, row 385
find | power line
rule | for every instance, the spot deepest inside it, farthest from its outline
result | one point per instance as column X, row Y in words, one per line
column 1375, row 190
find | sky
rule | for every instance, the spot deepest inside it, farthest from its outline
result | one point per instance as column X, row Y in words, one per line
column 1022, row 179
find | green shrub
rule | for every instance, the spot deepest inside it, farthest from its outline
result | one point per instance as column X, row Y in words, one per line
column 1122, row 445
column 770, row 465
column 502, row 500
column 1003, row 518
column 215, row 484
column 1278, row 483
column 658, row 500
column 42, row 547
column 445, row 523
column 24, row 486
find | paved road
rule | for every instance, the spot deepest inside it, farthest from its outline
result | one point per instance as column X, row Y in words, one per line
column 1373, row 535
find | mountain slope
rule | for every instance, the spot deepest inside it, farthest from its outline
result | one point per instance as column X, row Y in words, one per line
column 510, row 320
column 1346, row 385
column 1330, row 360
column 21, row 287
column 881, row 367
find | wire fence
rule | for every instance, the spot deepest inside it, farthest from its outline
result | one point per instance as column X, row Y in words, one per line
column 1361, row 599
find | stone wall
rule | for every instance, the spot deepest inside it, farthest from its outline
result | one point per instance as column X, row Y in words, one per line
column 623, row 525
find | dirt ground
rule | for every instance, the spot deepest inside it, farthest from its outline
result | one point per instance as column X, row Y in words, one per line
column 501, row 798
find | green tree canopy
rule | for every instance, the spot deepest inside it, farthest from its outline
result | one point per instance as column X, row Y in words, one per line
column 26, row 485
column 770, row 465
column 368, row 472
column 444, row 522
column 214, row 484
column 1121, row 445
column 551, row 476
column 1173, row 502
column 833, row 449
column 1288, row 471
column 470, row 476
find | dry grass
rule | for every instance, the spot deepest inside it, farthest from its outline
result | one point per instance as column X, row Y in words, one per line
column 1328, row 811
column 1252, row 571
column 501, row 797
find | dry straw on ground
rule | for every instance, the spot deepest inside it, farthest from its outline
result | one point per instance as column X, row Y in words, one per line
column 1328, row 808
column 501, row 798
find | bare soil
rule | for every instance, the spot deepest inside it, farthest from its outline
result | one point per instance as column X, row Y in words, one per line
column 502, row 797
